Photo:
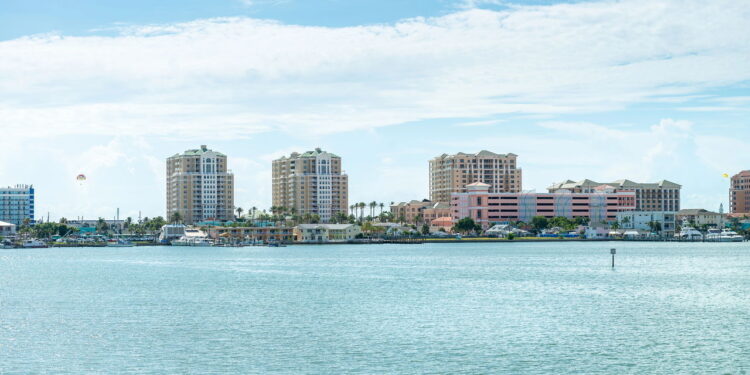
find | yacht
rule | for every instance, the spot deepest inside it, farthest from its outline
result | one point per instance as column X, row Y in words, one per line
column 33, row 244
column 689, row 233
column 724, row 235
column 192, row 241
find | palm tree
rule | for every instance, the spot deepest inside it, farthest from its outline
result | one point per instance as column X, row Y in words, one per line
column 175, row 217
column 382, row 205
column 239, row 212
column 253, row 209
column 373, row 204
column 362, row 206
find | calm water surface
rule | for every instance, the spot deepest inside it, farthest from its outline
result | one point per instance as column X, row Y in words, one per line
column 523, row 308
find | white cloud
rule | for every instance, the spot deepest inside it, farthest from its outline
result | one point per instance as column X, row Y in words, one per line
column 240, row 76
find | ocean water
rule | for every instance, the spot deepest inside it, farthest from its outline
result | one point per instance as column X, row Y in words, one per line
column 509, row 308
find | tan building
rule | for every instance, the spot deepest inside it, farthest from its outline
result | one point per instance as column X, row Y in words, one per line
column 313, row 183
column 739, row 193
column 451, row 173
column 659, row 196
column 425, row 210
column 699, row 217
column 199, row 186
column 265, row 234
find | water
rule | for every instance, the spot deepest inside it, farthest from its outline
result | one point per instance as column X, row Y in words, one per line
column 513, row 308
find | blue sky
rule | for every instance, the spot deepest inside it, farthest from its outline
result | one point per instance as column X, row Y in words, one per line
column 603, row 90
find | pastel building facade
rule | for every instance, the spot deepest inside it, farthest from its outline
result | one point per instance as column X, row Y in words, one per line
column 426, row 210
column 199, row 186
column 658, row 196
column 311, row 183
column 739, row 193
column 318, row 233
column 17, row 204
column 487, row 208
column 452, row 173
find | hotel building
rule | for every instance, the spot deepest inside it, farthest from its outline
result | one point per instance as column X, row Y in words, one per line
column 663, row 196
column 199, row 186
column 739, row 193
column 17, row 204
column 311, row 183
column 452, row 173
column 487, row 208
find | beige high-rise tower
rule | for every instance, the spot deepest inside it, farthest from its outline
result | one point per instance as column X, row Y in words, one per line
column 199, row 186
column 451, row 173
column 311, row 183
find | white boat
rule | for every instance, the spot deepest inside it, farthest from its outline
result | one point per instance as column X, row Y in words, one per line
column 724, row 235
column 119, row 243
column 33, row 244
column 689, row 233
column 192, row 241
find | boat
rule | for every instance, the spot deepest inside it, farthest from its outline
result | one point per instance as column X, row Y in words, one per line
column 119, row 243
column 33, row 244
column 192, row 241
column 689, row 233
column 275, row 243
column 724, row 235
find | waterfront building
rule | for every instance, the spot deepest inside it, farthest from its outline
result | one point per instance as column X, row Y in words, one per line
column 645, row 220
column 452, row 173
column 317, row 233
column 445, row 223
column 699, row 217
column 266, row 233
column 420, row 212
column 17, row 204
column 199, row 186
column 659, row 196
column 486, row 208
column 310, row 183
column 739, row 193
column 7, row 229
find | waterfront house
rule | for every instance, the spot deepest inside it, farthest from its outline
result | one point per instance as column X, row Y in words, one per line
column 317, row 233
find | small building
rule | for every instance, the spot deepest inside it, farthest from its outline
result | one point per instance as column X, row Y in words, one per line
column 699, row 217
column 444, row 223
column 171, row 232
column 7, row 229
column 265, row 234
column 420, row 212
column 318, row 233
column 647, row 221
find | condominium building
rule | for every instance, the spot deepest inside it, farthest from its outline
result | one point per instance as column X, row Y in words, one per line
column 451, row 173
column 658, row 196
column 425, row 211
column 311, row 183
column 199, row 186
column 17, row 204
column 739, row 193
column 487, row 208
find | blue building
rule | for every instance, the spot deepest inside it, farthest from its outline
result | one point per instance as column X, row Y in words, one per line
column 17, row 204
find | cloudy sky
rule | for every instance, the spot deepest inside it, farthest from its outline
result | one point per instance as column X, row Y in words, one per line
column 642, row 89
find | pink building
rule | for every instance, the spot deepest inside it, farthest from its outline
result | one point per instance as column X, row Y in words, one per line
column 487, row 208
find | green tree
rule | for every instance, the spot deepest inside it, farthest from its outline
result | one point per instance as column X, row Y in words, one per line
column 425, row 229
column 464, row 225
column 175, row 217
column 239, row 212
column 539, row 223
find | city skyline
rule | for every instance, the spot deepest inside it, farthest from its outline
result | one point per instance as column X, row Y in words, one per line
column 267, row 81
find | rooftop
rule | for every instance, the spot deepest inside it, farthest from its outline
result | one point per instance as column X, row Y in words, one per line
column 199, row 151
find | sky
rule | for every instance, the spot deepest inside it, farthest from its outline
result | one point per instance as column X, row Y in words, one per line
column 605, row 90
